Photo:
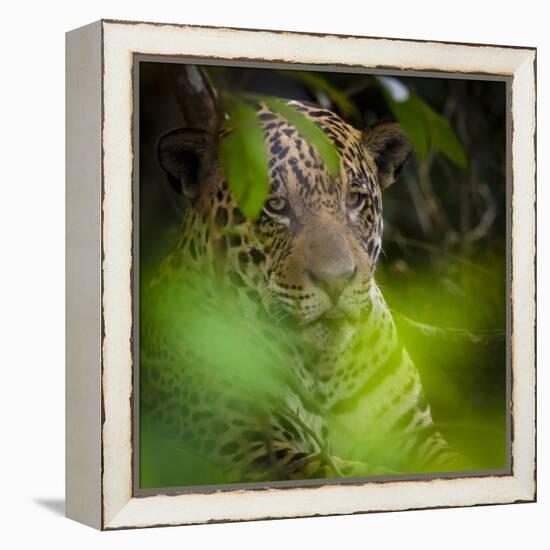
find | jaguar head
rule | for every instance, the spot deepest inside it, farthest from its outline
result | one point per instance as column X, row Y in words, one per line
column 312, row 253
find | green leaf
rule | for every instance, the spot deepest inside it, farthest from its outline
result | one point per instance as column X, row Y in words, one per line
column 444, row 138
column 314, row 80
column 411, row 116
column 312, row 133
column 425, row 127
column 244, row 159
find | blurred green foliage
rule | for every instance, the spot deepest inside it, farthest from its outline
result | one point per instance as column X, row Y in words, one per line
column 231, row 353
column 451, row 318
column 247, row 357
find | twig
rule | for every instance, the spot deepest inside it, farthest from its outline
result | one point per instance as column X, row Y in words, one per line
column 419, row 206
column 399, row 239
column 487, row 218
column 485, row 337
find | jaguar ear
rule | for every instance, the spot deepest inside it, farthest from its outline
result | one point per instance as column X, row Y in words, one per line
column 390, row 149
column 185, row 155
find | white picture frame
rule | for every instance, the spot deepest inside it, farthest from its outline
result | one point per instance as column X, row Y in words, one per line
column 99, row 364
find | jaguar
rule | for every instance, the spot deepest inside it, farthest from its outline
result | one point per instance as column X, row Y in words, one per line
column 333, row 392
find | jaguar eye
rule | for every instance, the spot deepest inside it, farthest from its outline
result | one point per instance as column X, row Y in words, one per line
column 355, row 200
column 277, row 205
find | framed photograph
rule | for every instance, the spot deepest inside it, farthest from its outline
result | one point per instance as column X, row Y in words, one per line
column 300, row 274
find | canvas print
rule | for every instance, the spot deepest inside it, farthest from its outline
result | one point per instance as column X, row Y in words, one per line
column 321, row 275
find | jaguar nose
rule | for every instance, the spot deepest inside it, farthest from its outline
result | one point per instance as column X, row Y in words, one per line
column 332, row 282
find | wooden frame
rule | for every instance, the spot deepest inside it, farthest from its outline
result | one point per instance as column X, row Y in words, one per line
column 99, row 461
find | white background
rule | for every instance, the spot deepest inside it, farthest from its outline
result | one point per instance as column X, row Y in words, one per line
column 32, row 273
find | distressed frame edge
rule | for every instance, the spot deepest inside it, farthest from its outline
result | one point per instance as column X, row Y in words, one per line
column 114, row 21
column 126, row 518
column 524, row 273
column 83, row 324
column 524, row 488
